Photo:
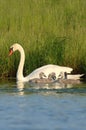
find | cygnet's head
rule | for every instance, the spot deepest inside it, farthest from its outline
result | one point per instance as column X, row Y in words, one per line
column 52, row 76
column 42, row 75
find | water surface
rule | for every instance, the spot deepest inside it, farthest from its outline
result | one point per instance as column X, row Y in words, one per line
column 34, row 108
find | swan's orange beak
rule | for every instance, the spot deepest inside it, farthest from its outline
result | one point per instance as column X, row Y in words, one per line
column 10, row 51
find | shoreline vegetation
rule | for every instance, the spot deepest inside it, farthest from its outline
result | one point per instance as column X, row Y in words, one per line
column 50, row 31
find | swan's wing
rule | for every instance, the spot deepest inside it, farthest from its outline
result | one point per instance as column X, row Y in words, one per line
column 47, row 69
column 75, row 77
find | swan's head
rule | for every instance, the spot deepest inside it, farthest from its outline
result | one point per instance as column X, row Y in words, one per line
column 14, row 48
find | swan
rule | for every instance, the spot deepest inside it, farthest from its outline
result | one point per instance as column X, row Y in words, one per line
column 68, row 81
column 65, row 75
column 63, row 78
column 51, row 78
column 46, row 69
column 41, row 79
column 42, row 75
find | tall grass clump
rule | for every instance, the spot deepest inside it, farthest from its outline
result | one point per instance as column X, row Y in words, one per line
column 50, row 31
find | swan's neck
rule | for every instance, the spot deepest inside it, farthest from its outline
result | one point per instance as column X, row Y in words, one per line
column 21, row 65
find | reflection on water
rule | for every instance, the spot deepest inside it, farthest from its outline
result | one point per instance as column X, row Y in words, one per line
column 37, row 86
column 20, row 87
column 25, row 106
column 23, row 88
column 56, row 85
column 11, row 86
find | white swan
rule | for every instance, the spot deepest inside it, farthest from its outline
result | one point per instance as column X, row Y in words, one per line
column 46, row 69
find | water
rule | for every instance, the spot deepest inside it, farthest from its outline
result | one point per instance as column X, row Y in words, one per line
column 42, row 109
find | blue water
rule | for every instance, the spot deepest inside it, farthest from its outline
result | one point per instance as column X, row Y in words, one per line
column 42, row 109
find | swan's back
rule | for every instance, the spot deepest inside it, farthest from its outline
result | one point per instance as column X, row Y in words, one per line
column 47, row 69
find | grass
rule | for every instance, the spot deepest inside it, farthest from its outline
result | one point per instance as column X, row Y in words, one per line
column 50, row 31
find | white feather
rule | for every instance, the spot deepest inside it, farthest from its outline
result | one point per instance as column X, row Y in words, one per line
column 74, row 76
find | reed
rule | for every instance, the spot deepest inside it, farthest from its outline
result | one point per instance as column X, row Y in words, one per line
column 50, row 31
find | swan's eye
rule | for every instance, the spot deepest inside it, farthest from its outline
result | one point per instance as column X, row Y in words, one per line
column 10, row 51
